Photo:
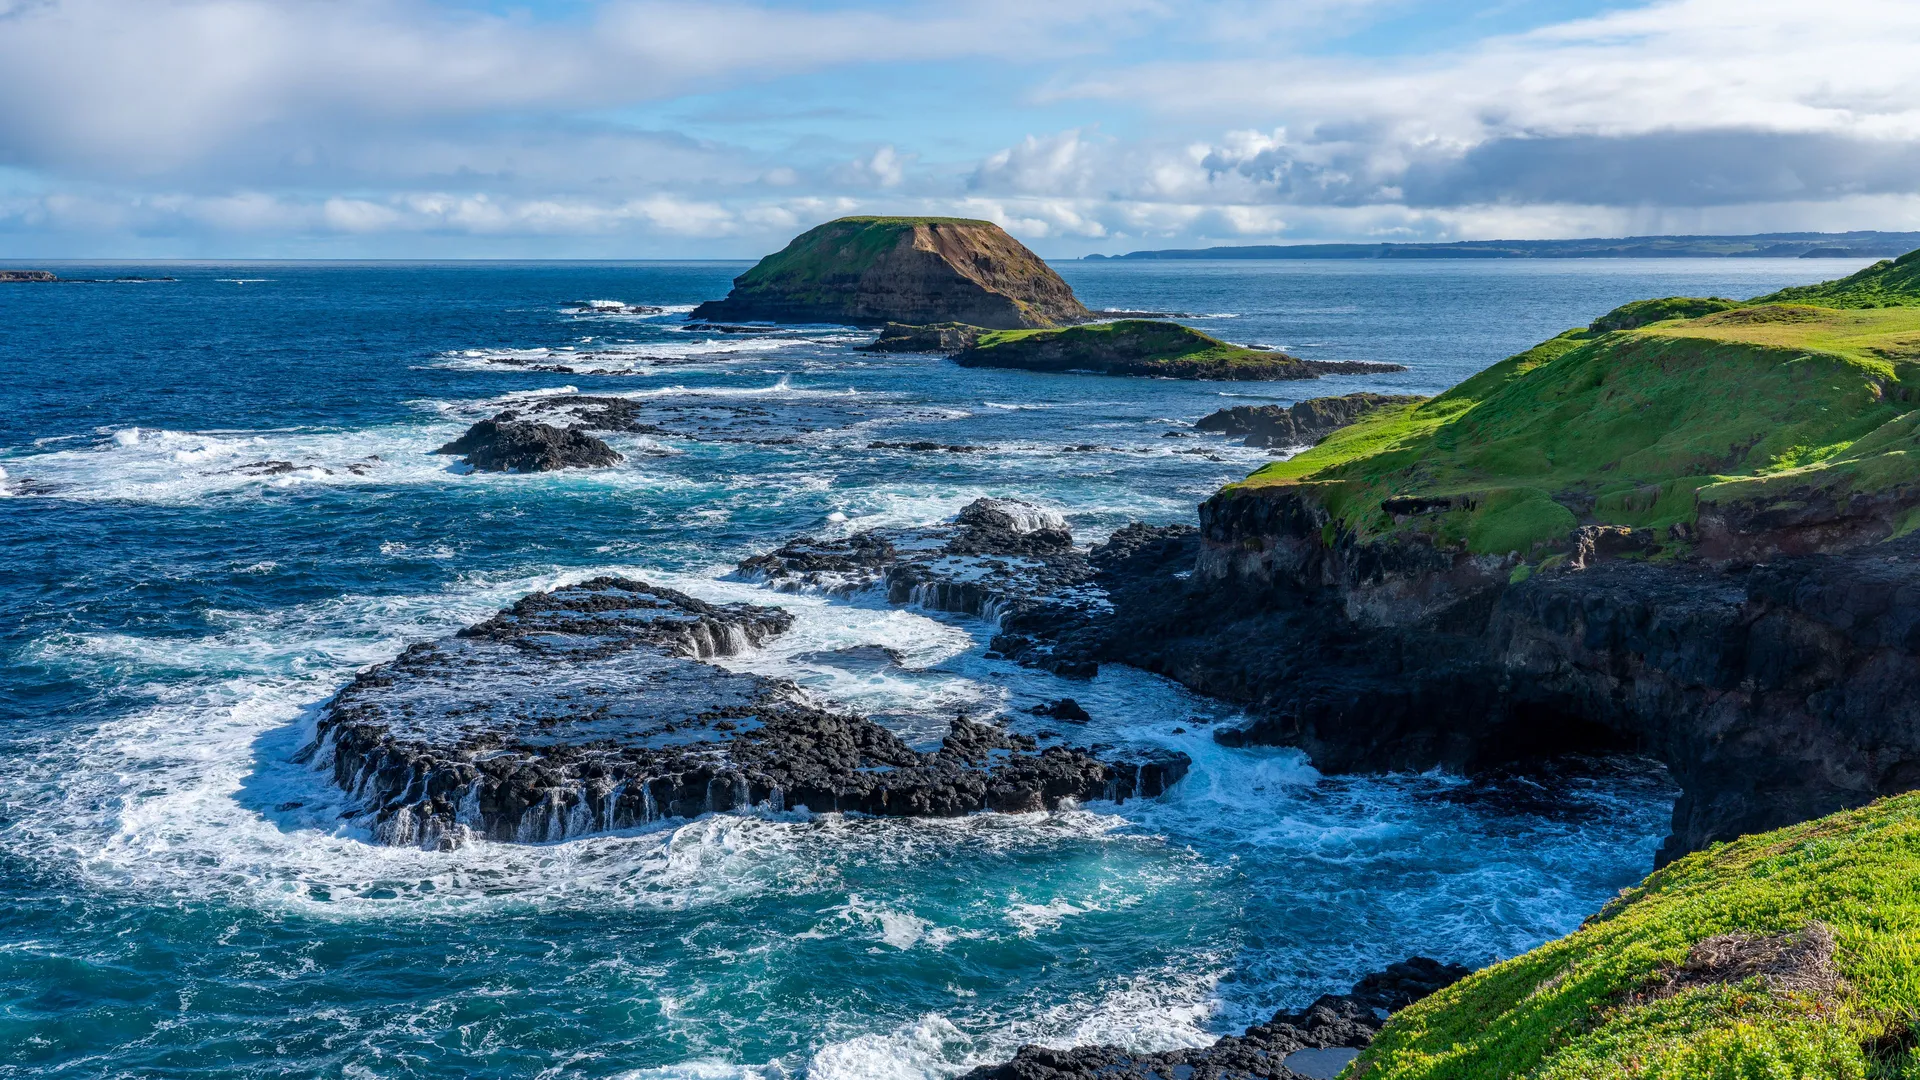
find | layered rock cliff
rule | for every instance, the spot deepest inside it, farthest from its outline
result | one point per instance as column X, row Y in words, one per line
column 874, row 270
column 1690, row 537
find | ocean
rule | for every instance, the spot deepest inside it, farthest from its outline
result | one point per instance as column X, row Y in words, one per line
column 218, row 500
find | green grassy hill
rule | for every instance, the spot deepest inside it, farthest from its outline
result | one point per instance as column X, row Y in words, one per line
column 1682, row 403
column 1784, row 955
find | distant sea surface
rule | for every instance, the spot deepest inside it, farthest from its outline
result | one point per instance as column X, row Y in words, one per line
column 173, row 611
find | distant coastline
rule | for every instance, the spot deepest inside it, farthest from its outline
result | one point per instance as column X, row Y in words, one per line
column 1798, row 245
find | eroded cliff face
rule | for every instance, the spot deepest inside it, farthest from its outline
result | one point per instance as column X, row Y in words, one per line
column 869, row 271
column 1774, row 692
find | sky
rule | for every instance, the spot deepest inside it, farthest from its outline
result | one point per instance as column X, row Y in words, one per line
column 679, row 129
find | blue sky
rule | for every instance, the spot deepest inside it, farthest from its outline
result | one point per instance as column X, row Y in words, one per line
column 669, row 128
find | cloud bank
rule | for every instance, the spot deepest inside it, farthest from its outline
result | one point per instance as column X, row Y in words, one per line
column 668, row 128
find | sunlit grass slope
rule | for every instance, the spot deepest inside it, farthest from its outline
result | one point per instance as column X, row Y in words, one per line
column 1627, row 427
column 1788, row 954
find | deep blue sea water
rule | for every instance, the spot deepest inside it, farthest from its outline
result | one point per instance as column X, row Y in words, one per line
column 169, row 622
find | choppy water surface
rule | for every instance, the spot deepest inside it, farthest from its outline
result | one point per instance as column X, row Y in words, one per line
column 177, row 899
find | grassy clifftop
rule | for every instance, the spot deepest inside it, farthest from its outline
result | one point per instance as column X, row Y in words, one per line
column 1788, row 954
column 1889, row 283
column 1689, row 406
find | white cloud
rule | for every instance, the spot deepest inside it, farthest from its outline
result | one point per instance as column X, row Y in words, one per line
column 343, row 122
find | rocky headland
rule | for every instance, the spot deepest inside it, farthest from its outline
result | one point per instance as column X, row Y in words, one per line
column 912, row 270
column 1686, row 531
column 592, row 707
column 1149, row 348
column 1615, row 541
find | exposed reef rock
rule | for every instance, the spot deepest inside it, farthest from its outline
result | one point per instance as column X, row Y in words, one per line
column 521, row 446
column 27, row 275
column 1302, row 424
column 1002, row 560
column 940, row 338
column 1146, row 347
column 916, row 271
column 589, row 708
column 1311, row 1044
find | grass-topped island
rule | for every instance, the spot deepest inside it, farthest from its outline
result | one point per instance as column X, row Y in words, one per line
column 1148, row 347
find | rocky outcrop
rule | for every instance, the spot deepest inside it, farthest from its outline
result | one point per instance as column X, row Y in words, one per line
column 946, row 338
column 1773, row 692
column 27, row 275
column 1314, row 1043
column 590, row 708
column 1009, row 562
column 916, row 271
column 1301, row 424
column 523, row 446
column 1150, row 348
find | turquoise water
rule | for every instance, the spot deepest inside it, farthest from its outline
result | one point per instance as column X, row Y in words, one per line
column 169, row 624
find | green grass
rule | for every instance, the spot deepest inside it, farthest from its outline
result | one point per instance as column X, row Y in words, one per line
column 1888, row 283
column 1137, row 340
column 1579, row 1007
column 1631, row 426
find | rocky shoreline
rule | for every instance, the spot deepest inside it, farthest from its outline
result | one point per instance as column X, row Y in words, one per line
column 1313, row 1043
column 589, row 708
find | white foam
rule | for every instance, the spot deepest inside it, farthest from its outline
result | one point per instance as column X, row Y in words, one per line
column 618, row 357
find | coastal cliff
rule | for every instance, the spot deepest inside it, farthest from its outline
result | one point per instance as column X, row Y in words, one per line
column 911, row 270
column 1683, row 531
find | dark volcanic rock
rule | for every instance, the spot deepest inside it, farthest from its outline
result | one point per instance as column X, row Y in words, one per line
column 1001, row 560
column 523, row 446
column 1301, row 424
column 28, row 275
column 939, row 338
column 1064, row 709
column 1773, row 693
column 588, row 708
column 1334, row 1022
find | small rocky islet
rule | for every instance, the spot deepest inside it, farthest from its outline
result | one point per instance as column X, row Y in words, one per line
column 967, row 289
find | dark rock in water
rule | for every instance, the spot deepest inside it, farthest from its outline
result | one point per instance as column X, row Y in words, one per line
column 917, row 271
column 264, row 468
column 612, row 307
column 1303, row 1045
column 1772, row 693
column 999, row 560
column 1064, row 709
column 1302, row 424
column 589, row 708
column 1149, row 348
column 27, row 275
column 939, row 338
column 522, row 446
column 924, row 447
